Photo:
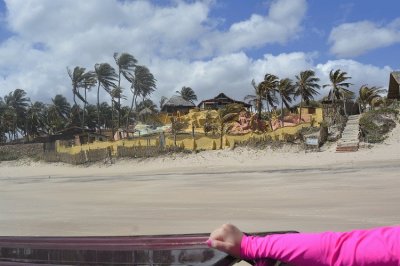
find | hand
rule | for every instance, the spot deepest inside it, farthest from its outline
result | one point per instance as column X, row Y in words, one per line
column 227, row 238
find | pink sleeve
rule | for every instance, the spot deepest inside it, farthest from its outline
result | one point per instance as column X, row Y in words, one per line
column 379, row 246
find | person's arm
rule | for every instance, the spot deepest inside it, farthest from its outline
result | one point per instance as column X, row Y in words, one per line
column 379, row 246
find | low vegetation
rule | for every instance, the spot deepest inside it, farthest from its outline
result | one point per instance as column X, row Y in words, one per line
column 375, row 124
column 6, row 156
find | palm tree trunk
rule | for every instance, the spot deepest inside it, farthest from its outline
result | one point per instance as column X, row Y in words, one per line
column 259, row 107
column 119, row 99
column 79, row 115
column 269, row 114
column 175, row 138
column 98, row 108
column 130, row 109
column 84, row 110
column 112, row 117
column 301, row 107
column 221, row 136
column 282, row 113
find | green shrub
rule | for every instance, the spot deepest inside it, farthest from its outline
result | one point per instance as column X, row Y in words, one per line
column 5, row 156
column 375, row 124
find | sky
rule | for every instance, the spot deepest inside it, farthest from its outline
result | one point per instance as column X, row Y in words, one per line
column 211, row 46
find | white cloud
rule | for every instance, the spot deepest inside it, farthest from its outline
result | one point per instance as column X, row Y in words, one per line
column 281, row 24
column 353, row 39
column 179, row 43
column 361, row 74
column 51, row 35
column 232, row 74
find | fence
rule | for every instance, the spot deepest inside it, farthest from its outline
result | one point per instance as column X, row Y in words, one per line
column 145, row 147
column 77, row 158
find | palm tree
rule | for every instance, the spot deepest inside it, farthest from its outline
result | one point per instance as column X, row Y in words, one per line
column 286, row 89
column 16, row 104
column 3, row 131
column 77, row 77
column 339, row 88
column 106, row 114
column 6, row 120
column 58, row 113
column 116, row 93
column 269, row 88
column 143, row 84
column 306, row 87
column 91, row 113
column 106, row 76
column 367, row 95
column 255, row 100
column 36, row 119
column 148, row 103
column 162, row 101
column 126, row 65
column 188, row 94
column 89, row 81
column 74, row 119
column 226, row 115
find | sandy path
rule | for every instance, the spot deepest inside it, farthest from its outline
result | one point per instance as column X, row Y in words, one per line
column 334, row 197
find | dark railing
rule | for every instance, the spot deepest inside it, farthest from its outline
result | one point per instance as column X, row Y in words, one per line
column 126, row 250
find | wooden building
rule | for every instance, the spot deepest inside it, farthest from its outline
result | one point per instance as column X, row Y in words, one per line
column 220, row 101
column 394, row 86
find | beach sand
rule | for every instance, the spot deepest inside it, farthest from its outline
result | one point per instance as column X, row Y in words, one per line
column 258, row 190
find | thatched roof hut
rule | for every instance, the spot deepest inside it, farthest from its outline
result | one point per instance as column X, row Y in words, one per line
column 145, row 111
column 394, row 86
column 177, row 103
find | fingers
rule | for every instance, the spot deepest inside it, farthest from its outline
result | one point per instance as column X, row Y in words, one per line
column 222, row 232
column 218, row 234
column 227, row 238
column 220, row 245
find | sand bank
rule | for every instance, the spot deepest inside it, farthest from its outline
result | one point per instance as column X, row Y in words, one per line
column 259, row 190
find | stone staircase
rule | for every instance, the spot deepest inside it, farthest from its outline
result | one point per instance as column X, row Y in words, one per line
column 350, row 135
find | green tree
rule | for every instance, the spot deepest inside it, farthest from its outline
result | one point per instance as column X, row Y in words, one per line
column 106, row 78
column 143, row 84
column 16, row 104
column 89, row 81
column 339, row 88
column 91, row 114
column 269, row 87
column 306, row 87
column 286, row 90
column 188, row 94
column 106, row 115
column 256, row 99
column 149, row 104
column 367, row 95
column 77, row 78
column 163, row 100
column 176, row 127
column 36, row 119
column 4, row 129
column 116, row 93
column 226, row 115
column 58, row 113
column 126, row 66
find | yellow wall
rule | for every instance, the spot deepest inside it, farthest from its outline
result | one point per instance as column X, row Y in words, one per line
column 201, row 143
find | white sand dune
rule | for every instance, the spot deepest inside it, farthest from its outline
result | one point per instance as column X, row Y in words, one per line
column 259, row 190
